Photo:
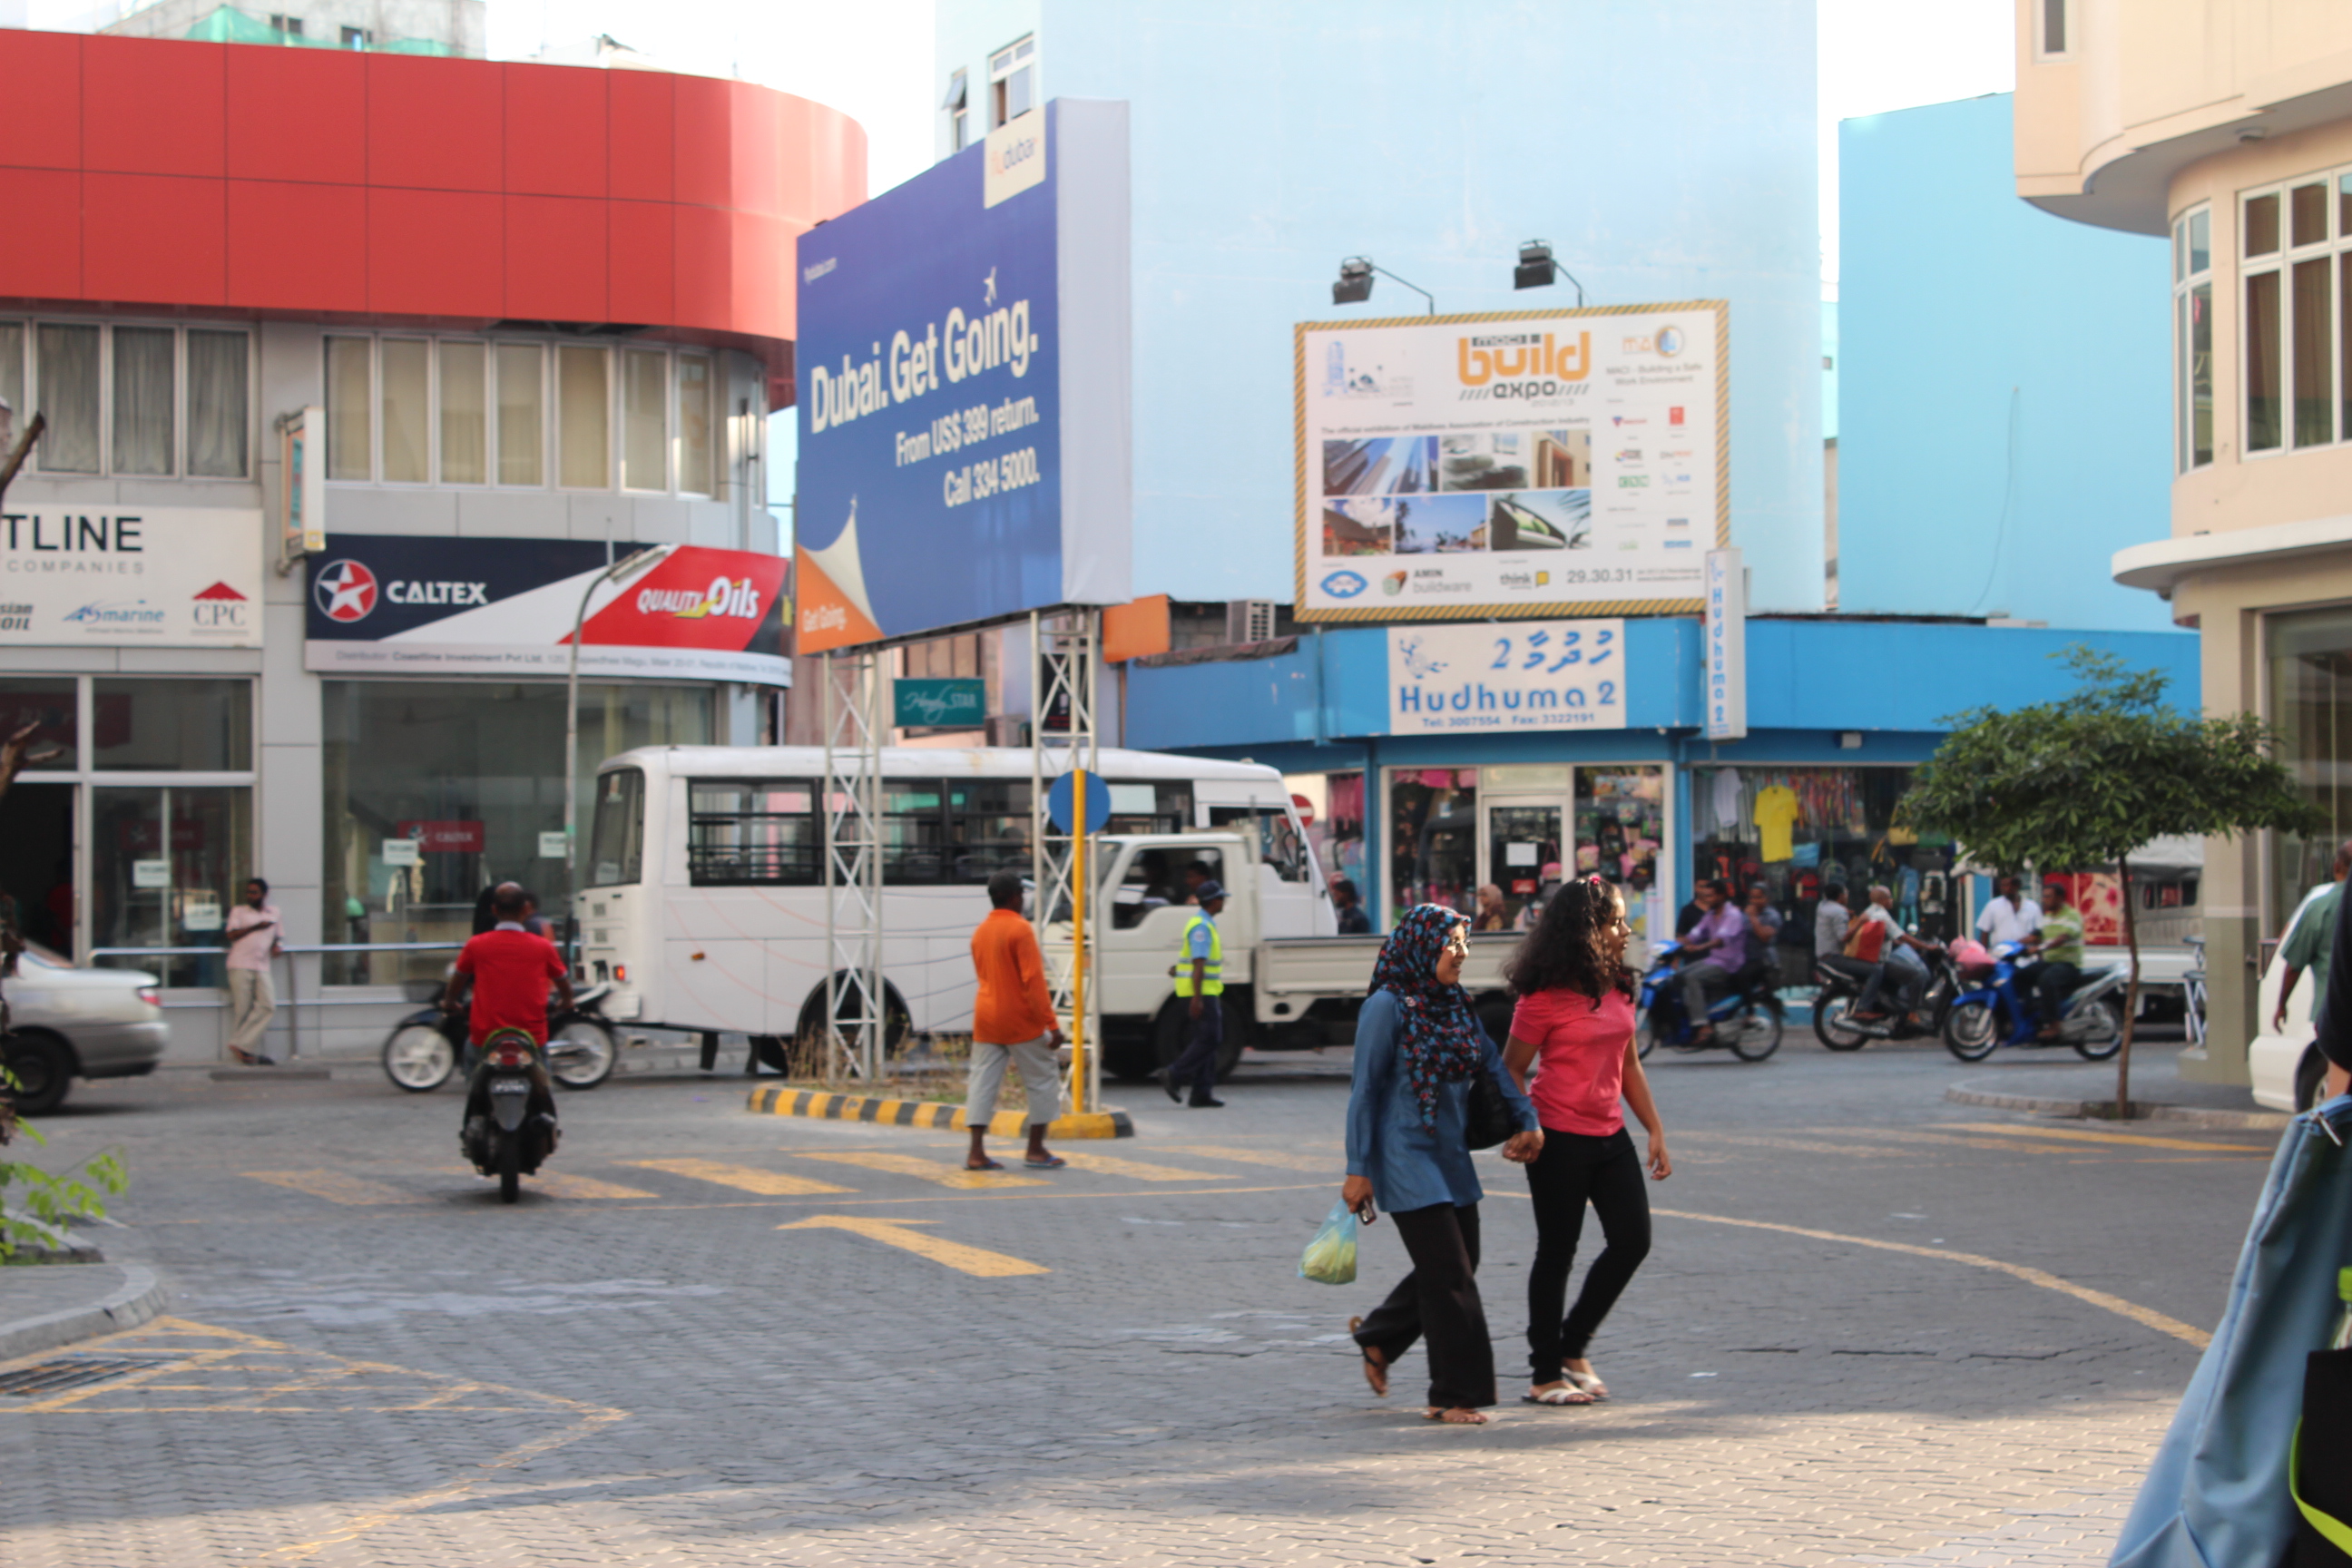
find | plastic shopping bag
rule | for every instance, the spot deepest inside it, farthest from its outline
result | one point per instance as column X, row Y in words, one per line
column 1330, row 1257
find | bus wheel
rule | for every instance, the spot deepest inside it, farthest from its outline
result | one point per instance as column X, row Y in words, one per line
column 810, row 1031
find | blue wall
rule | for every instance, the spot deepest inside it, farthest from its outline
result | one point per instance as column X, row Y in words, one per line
column 1663, row 160
column 2008, row 429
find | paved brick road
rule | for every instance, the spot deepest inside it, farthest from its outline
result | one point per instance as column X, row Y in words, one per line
column 655, row 1359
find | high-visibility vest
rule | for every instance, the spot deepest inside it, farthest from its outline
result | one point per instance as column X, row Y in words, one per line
column 1212, row 982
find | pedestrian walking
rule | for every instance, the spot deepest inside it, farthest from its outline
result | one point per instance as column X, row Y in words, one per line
column 1013, row 1020
column 252, row 935
column 1574, row 1024
column 1417, row 1047
column 1201, row 986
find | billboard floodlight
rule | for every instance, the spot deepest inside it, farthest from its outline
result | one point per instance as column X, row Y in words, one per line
column 1537, row 269
column 1355, row 284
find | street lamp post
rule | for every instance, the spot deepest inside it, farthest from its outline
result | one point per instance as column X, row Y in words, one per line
column 620, row 571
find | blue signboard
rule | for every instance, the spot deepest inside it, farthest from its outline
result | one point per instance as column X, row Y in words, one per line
column 962, row 384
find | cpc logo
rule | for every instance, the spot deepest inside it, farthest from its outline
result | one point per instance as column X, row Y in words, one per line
column 1345, row 585
column 344, row 591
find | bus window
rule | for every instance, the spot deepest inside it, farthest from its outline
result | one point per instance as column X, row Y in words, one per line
column 913, row 831
column 1160, row 807
column 988, row 825
column 746, row 831
column 616, row 839
column 1278, row 844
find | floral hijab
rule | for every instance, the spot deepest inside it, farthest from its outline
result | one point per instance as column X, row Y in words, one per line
column 1439, row 1041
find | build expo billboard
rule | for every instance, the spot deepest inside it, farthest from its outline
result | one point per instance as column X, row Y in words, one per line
column 962, row 383
column 1531, row 463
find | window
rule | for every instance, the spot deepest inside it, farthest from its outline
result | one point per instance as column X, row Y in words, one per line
column 142, row 400
column 522, row 415
column 957, row 105
column 748, row 831
column 1012, row 82
column 355, row 37
column 1278, row 845
column 285, row 25
column 645, row 419
column 695, row 449
column 616, row 842
column 2052, row 19
column 66, row 381
column 2297, row 284
column 913, row 831
column 406, row 379
column 220, row 405
column 2192, row 331
column 2310, row 655
column 988, row 822
column 167, row 725
column 583, row 418
column 349, row 398
column 12, row 370
column 465, row 413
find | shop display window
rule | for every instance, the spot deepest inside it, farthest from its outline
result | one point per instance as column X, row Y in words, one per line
column 1331, row 807
column 2311, row 703
column 1433, row 839
column 164, row 725
column 1796, row 830
column 1620, row 825
column 163, row 863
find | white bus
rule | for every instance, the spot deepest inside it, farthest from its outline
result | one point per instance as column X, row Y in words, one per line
column 702, row 894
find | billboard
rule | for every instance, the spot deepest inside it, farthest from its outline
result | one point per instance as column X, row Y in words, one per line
column 408, row 605
column 1528, row 463
column 962, row 380
column 153, row 576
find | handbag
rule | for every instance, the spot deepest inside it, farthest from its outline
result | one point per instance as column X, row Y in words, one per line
column 1486, row 1116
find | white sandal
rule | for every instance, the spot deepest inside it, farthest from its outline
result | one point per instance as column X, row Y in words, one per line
column 1557, row 1396
column 1588, row 1382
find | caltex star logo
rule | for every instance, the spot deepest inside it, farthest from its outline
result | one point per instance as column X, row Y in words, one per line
column 345, row 591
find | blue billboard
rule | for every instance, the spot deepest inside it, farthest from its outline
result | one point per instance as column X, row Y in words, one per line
column 963, row 378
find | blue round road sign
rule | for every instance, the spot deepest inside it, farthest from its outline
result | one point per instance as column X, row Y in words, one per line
column 1058, row 802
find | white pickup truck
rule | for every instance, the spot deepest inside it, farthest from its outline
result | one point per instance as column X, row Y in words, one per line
column 1291, row 981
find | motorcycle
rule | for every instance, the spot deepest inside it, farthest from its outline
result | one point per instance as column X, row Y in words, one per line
column 1841, row 993
column 505, row 1134
column 425, row 1048
column 1997, row 1012
column 1747, row 1019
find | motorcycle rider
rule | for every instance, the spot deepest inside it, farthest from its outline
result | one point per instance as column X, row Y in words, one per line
column 1718, row 945
column 2058, row 943
column 1901, row 968
column 511, row 970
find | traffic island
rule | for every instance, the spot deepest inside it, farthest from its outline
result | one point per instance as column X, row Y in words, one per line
column 932, row 1115
column 2055, row 1086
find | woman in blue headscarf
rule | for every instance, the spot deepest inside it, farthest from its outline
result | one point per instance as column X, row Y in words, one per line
column 1418, row 1045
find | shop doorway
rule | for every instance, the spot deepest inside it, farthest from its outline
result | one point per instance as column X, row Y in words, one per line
column 1523, row 838
column 36, row 863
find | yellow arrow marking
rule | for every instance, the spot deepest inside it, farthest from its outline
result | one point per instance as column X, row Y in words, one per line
column 938, row 1171
column 1136, row 1171
column 1325, row 1166
column 897, row 1233
column 2071, row 1134
column 336, row 1187
column 744, row 1178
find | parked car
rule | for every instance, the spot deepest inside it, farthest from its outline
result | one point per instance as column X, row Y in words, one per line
column 67, row 1023
column 2284, row 1065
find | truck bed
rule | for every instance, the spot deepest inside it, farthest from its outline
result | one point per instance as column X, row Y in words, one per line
column 1305, row 969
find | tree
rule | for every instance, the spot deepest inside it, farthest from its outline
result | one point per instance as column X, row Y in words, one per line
column 2084, row 780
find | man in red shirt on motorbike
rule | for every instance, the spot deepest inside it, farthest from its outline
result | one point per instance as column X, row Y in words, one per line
column 511, row 970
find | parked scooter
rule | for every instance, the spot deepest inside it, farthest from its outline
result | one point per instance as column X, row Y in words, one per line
column 509, row 1127
column 1841, row 993
column 1997, row 1011
column 1749, row 1020
column 425, row 1048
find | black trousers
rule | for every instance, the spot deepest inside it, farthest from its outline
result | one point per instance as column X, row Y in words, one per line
column 1438, row 1299
column 1573, row 1170
column 2054, row 983
column 1198, row 1065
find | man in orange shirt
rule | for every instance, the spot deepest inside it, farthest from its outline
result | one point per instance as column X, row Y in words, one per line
column 1012, row 1019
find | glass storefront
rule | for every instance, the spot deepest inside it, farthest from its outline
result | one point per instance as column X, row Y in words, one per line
column 1795, row 830
column 2311, row 704
column 468, row 772
column 1331, row 805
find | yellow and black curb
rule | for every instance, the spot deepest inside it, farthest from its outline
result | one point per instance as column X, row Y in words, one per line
column 935, row 1115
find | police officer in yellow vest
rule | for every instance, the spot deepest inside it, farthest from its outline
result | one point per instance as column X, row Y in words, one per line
column 1200, row 982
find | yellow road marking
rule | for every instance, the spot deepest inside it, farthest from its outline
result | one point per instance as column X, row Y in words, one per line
column 744, row 1178
column 938, row 1171
column 1259, row 1157
column 898, row 1233
column 336, row 1187
column 2072, row 1134
column 565, row 1184
column 1138, row 1171
column 1798, row 1145
column 1951, row 1140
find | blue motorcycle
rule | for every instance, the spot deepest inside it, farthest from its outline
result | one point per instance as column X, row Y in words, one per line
column 1995, row 1009
column 1747, row 1019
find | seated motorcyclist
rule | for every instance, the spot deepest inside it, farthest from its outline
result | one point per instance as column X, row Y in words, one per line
column 1762, row 967
column 2058, row 944
column 511, row 970
column 1712, row 951
column 1901, row 965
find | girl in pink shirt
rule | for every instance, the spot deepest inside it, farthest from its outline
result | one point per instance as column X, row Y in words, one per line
column 1574, row 1024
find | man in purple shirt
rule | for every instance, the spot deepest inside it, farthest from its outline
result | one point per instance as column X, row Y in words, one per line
column 1717, row 944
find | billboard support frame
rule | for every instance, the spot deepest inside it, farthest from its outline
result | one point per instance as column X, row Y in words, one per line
column 856, row 1039
column 1068, row 645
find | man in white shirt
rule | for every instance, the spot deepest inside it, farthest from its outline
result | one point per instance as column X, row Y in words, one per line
column 252, row 937
column 2009, row 917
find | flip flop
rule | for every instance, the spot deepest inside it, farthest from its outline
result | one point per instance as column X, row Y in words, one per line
column 1050, row 1163
column 1557, row 1396
column 985, row 1164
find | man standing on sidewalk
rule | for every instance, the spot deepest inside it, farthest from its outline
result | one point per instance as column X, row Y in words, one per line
column 252, row 935
column 1012, row 1019
column 2312, row 942
column 1201, row 986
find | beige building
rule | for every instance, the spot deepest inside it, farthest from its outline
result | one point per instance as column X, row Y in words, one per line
column 2227, row 124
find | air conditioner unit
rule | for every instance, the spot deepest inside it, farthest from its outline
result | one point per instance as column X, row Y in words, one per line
column 1249, row 620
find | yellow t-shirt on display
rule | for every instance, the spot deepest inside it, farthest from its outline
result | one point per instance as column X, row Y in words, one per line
column 1776, row 814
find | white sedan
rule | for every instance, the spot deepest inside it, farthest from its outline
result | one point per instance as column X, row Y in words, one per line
column 2284, row 1065
column 67, row 1022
